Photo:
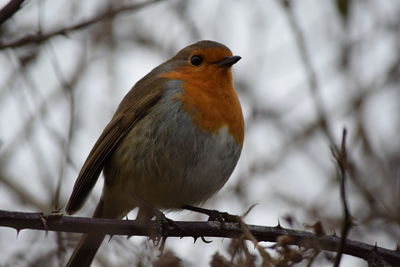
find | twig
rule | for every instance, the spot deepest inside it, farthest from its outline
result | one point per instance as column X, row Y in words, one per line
column 25, row 220
column 310, row 72
column 340, row 156
column 24, row 196
column 10, row 9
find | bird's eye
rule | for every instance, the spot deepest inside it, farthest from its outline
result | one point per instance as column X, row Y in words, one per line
column 196, row 60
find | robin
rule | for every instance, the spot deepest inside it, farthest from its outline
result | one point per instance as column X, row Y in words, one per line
column 173, row 141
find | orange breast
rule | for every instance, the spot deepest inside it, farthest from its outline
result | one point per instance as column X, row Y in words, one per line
column 210, row 99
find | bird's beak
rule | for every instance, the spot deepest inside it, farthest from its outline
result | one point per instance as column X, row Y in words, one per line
column 228, row 61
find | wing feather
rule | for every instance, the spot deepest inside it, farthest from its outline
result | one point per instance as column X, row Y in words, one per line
column 127, row 115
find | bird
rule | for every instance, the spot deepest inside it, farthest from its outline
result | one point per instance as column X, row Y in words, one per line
column 174, row 140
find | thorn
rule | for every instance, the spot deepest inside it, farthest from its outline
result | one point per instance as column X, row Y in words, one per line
column 109, row 239
column 375, row 247
column 279, row 225
column 195, row 239
column 18, row 231
column 205, row 241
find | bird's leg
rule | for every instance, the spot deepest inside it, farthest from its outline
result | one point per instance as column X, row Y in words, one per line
column 213, row 215
column 160, row 234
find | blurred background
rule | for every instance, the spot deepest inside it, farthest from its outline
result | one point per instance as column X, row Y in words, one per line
column 308, row 69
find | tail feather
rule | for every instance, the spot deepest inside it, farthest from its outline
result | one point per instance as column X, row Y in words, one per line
column 85, row 251
column 88, row 245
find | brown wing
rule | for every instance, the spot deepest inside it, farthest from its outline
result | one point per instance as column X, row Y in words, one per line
column 134, row 107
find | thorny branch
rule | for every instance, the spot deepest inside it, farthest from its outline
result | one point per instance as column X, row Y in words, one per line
column 376, row 208
column 308, row 240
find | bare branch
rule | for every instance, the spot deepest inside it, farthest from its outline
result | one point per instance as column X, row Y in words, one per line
column 38, row 38
column 10, row 9
column 308, row 240
column 309, row 69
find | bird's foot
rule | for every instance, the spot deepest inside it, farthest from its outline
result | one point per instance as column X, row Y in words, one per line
column 162, row 229
column 214, row 215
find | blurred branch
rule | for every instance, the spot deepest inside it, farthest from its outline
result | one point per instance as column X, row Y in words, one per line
column 310, row 72
column 27, row 131
column 10, row 9
column 68, row 88
column 308, row 240
column 24, row 195
column 38, row 38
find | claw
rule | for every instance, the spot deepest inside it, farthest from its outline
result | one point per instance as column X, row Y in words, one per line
column 205, row 240
column 163, row 224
